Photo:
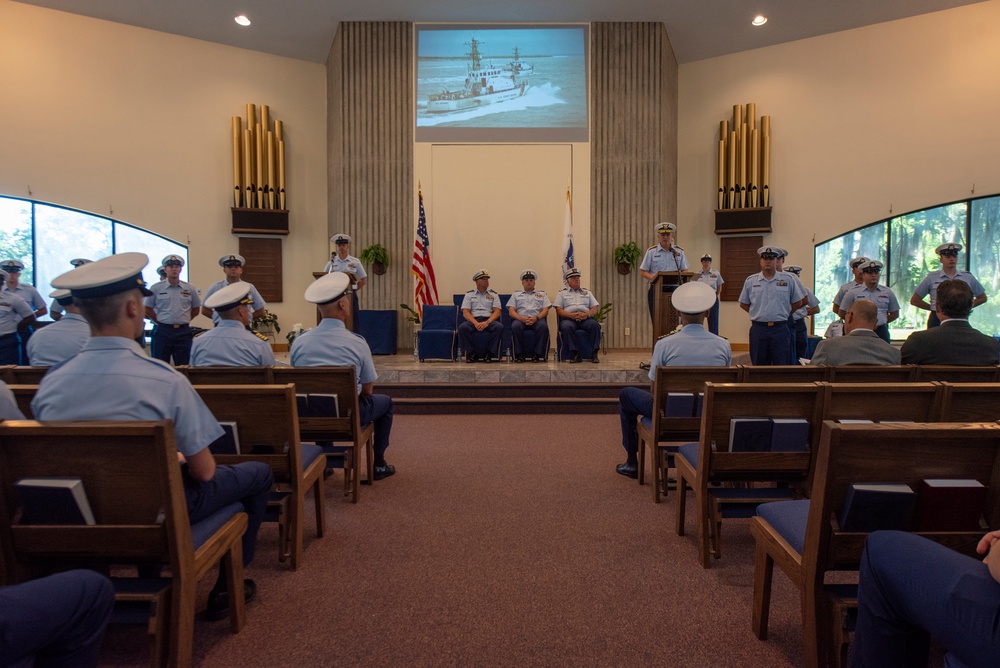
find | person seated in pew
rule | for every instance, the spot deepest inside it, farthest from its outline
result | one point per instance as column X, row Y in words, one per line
column 229, row 343
column 60, row 340
column 330, row 344
column 9, row 409
column 693, row 345
column 954, row 341
column 860, row 344
column 111, row 379
column 576, row 308
column 911, row 588
column 481, row 314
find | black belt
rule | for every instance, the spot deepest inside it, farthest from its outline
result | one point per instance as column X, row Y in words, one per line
column 770, row 324
column 168, row 324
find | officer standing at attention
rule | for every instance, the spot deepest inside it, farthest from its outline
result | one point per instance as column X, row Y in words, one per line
column 770, row 297
column 229, row 343
column 881, row 295
column 341, row 260
column 15, row 315
column 799, row 329
column 233, row 266
column 55, row 308
column 330, row 344
column 171, row 306
column 855, row 266
column 528, row 309
column 481, row 313
column 576, row 308
column 691, row 346
column 60, row 340
column 664, row 256
column 712, row 279
column 949, row 270
column 111, row 379
column 29, row 294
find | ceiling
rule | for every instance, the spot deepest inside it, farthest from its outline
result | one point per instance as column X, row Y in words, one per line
column 304, row 29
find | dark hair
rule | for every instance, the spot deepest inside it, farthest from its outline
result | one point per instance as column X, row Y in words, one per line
column 102, row 312
column 954, row 298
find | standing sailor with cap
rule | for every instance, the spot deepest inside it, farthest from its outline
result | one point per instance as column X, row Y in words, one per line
column 15, row 315
column 481, row 313
column 229, row 343
column 30, row 295
column 855, row 265
column 691, row 346
column 576, row 308
column 799, row 330
column 343, row 261
column 528, row 309
column 171, row 305
column 111, row 379
column 770, row 297
column 330, row 344
column 60, row 340
column 712, row 279
column 949, row 271
column 664, row 256
column 233, row 265
column 55, row 308
column 881, row 295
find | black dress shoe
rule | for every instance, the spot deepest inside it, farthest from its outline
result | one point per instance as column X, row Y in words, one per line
column 470, row 358
column 628, row 470
column 384, row 471
column 576, row 359
column 644, row 366
column 218, row 601
column 594, row 359
column 535, row 359
column 519, row 358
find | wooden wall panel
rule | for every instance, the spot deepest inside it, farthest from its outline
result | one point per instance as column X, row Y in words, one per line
column 739, row 256
column 263, row 267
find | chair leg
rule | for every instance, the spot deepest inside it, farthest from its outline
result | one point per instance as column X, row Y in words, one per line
column 642, row 461
column 659, row 474
column 704, row 518
column 681, row 502
column 763, row 570
column 233, row 561
column 810, row 628
column 348, row 471
column 181, row 624
column 320, row 507
column 295, row 512
column 356, row 474
column 715, row 528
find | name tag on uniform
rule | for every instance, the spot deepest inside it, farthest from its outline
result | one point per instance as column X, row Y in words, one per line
column 782, row 284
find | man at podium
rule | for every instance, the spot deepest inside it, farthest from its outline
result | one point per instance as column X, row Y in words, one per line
column 664, row 256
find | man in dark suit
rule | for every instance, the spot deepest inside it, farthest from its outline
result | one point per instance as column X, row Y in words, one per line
column 860, row 344
column 955, row 341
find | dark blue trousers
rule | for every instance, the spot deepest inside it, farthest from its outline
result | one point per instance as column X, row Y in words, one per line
column 56, row 621
column 911, row 589
column 530, row 339
column 489, row 338
column 168, row 341
column 10, row 349
column 713, row 318
column 800, row 336
column 633, row 402
column 883, row 333
column 377, row 408
column 22, row 336
column 591, row 341
column 770, row 346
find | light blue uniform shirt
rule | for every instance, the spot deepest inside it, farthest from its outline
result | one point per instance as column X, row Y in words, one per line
column 230, row 344
column 111, row 379
column 574, row 301
column 929, row 285
column 29, row 294
column 529, row 304
column 59, row 341
column 711, row 278
column 330, row 344
column 8, row 404
column 692, row 346
column 173, row 303
column 13, row 310
column 839, row 297
column 480, row 304
column 350, row 265
column 883, row 297
column 658, row 259
column 771, row 300
column 258, row 301
column 803, row 311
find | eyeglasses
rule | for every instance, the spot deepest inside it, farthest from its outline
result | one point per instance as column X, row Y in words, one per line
column 872, row 271
column 230, row 265
column 343, row 243
column 949, row 253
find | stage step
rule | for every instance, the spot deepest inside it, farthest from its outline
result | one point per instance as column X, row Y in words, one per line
column 480, row 398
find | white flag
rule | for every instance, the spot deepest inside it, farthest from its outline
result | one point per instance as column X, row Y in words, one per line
column 568, row 261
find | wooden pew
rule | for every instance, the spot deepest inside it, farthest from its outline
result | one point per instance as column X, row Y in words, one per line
column 795, row 373
column 23, row 394
column 227, row 375
column 25, row 375
column 970, row 402
column 956, row 374
column 864, row 373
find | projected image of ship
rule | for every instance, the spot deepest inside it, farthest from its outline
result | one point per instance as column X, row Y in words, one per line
column 483, row 85
column 520, row 67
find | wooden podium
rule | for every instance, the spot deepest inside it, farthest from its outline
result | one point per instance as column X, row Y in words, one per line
column 665, row 316
column 351, row 316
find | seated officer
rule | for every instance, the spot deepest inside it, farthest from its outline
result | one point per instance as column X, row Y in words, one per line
column 576, row 308
column 60, row 340
column 229, row 343
column 528, row 309
column 111, row 379
column 481, row 313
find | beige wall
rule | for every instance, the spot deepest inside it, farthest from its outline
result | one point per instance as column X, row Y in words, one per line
column 901, row 115
column 96, row 115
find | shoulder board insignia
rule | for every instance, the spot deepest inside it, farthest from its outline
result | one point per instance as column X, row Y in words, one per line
column 583, row 291
column 261, row 336
column 678, row 247
column 665, row 335
column 652, row 247
column 470, row 292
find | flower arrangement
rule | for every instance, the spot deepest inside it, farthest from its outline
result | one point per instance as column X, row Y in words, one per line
column 297, row 329
column 267, row 321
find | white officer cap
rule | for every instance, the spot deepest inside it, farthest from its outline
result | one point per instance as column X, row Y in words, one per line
column 769, row 252
column 328, row 288
column 173, row 259
column 12, row 265
column 794, row 268
column 482, row 273
column 229, row 297
column 80, row 261
column 109, row 276
column 232, row 258
column 940, row 249
column 341, row 238
column 706, row 258
column 693, row 297
column 570, row 273
column 782, row 253
column 64, row 297
column 664, row 227
column 871, row 264
column 858, row 261
column 161, row 271
column 529, row 273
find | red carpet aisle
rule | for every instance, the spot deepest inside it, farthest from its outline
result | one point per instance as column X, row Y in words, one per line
column 502, row 541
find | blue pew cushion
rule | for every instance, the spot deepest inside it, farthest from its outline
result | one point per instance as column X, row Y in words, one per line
column 205, row 529
column 743, row 503
column 690, row 452
column 789, row 519
column 309, row 454
column 647, row 422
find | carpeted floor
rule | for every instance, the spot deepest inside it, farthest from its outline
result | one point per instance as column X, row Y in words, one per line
column 503, row 540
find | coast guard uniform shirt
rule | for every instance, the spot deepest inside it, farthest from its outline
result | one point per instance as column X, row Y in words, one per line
column 13, row 310
column 112, row 379
column 230, row 344
column 173, row 303
column 330, row 344
column 258, row 301
column 8, row 404
column 657, row 259
column 803, row 311
column 929, row 285
column 574, row 301
column 711, row 278
column 350, row 265
column 29, row 294
column 59, row 341
column 529, row 304
column 771, row 300
column 480, row 304
column 844, row 289
column 692, row 346
column 881, row 296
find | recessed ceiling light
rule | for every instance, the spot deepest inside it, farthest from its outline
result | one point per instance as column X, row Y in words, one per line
column 759, row 20
column 244, row 21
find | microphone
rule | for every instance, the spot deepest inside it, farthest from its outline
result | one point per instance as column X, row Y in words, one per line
column 673, row 249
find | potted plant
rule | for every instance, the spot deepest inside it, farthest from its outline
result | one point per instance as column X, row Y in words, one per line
column 267, row 325
column 626, row 257
column 377, row 257
column 412, row 315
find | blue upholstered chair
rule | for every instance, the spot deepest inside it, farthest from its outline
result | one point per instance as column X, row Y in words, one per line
column 436, row 338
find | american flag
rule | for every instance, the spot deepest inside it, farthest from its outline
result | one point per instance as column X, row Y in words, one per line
column 426, row 291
